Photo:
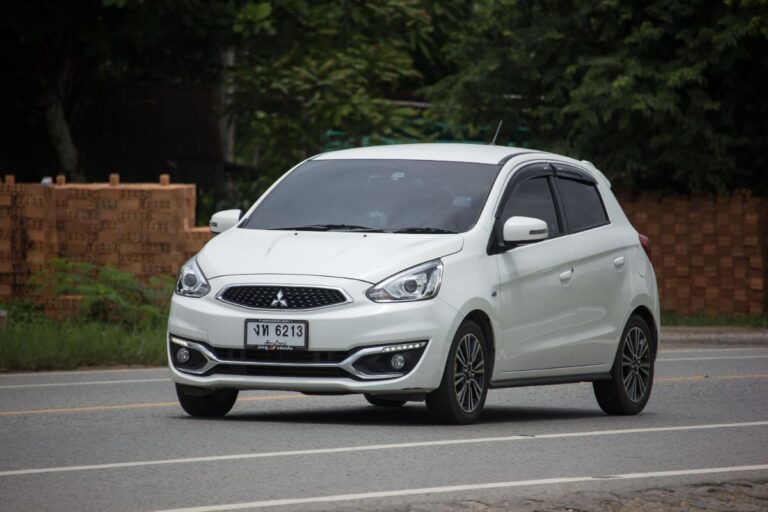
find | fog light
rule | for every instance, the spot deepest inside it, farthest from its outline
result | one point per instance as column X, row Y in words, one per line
column 397, row 362
column 182, row 356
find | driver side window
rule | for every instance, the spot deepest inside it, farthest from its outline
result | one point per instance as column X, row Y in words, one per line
column 533, row 198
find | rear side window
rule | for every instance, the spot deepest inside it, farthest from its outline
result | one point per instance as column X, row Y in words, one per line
column 533, row 198
column 583, row 206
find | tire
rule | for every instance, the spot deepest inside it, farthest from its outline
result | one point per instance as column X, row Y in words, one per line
column 464, row 386
column 629, row 388
column 205, row 403
column 384, row 402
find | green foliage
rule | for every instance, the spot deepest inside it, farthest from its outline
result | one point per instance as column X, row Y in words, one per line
column 108, row 295
column 41, row 344
column 304, row 68
column 665, row 94
column 670, row 319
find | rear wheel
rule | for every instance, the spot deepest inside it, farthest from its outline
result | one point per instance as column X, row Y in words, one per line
column 461, row 395
column 384, row 402
column 629, row 388
column 205, row 403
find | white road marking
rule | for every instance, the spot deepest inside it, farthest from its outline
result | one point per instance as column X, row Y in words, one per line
column 84, row 383
column 712, row 358
column 365, row 448
column 466, row 487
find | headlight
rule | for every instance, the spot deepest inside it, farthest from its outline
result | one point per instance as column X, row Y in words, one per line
column 192, row 282
column 417, row 283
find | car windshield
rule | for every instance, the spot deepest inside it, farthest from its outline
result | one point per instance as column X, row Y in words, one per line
column 402, row 196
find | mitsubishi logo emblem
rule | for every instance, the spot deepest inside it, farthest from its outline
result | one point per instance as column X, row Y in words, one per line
column 280, row 301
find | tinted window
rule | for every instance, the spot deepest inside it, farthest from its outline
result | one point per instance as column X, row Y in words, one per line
column 582, row 203
column 533, row 198
column 383, row 195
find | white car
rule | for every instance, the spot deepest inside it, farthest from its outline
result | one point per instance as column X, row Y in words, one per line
column 420, row 272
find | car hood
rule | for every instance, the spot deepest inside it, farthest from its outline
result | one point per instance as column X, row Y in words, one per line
column 368, row 257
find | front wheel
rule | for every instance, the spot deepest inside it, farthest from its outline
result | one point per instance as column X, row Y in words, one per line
column 461, row 395
column 205, row 403
column 629, row 388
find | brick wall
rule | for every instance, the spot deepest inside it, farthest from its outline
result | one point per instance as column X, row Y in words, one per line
column 709, row 253
column 143, row 228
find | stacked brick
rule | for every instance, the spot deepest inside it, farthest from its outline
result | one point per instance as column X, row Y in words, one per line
column 138, row 227
column 28, row 235
column 146, row 229
column 709, row 253
column 194, row 240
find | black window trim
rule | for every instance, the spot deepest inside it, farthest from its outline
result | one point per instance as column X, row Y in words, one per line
column 553, row 171
column 569, row 172
column 528, row 172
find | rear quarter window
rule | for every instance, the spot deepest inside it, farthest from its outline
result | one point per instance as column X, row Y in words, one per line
column 583, row 205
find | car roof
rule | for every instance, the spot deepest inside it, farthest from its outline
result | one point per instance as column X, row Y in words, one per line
column 444, row 152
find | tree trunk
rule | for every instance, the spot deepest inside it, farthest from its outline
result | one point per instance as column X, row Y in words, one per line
column 60, row 134
column 226, row 120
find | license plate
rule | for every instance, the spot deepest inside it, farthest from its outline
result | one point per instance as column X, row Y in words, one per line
column 276, row 334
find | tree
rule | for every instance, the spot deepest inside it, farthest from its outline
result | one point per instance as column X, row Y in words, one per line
column 665, row 94
column 304, row 68
column 61, row 50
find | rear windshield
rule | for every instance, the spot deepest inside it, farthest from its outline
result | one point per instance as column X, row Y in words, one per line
column 407, row 196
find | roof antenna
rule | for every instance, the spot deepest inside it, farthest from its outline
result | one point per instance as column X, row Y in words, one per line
column 493, row 142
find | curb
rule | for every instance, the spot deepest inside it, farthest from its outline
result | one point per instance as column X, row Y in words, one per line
column 714, row 336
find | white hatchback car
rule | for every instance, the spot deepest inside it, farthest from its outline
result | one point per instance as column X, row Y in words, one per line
column 420, row 272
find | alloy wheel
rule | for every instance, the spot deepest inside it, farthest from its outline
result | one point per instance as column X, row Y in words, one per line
column 636, row 364
column 469, row 376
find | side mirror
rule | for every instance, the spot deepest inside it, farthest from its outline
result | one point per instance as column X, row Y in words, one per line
column 223, row 220
column 522, row 230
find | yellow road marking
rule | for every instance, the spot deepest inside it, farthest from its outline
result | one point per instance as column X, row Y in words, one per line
column 91, row 408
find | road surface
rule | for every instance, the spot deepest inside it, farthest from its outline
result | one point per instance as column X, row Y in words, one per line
column 117, row 440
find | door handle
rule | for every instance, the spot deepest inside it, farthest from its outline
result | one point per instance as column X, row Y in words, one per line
column 619, row 262
column 566, row 276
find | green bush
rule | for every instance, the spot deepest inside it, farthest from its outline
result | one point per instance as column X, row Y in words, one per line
column 121, row 320
column 108, row 295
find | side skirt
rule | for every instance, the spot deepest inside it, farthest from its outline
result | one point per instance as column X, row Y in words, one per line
column 548, row 381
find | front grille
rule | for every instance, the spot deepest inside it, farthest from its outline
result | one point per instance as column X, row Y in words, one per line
column 282, row 297
column 280, row 356
column 277, row 371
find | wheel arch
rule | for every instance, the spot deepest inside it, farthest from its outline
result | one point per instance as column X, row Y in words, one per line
column 482, row 319
column 646, row 314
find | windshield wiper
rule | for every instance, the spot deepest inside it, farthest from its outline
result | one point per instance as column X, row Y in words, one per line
column 331, row 227
column 424, row 230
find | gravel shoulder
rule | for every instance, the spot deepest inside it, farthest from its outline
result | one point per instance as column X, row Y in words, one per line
column 725, row 496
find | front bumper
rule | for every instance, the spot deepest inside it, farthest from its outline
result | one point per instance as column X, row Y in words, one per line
column 361, row 327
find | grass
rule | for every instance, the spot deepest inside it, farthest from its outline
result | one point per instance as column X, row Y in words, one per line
column 42, row 344
column 674, row 319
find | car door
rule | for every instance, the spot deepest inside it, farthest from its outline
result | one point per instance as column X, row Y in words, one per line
column 534, row 280
column 600, row 276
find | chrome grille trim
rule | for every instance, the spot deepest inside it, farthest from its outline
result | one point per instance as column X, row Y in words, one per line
column 220, row 296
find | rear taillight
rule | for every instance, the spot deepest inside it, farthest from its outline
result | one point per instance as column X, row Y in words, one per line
column 646, row 243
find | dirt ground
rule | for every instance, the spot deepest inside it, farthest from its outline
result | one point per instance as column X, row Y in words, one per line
column 731, row 496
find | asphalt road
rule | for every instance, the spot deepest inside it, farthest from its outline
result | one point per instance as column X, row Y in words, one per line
column 117, row 440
